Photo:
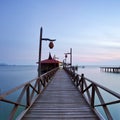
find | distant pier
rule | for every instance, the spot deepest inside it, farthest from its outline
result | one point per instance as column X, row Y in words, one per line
column 111, row 69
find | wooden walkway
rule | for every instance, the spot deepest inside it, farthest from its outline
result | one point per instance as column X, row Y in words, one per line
column 60, row 101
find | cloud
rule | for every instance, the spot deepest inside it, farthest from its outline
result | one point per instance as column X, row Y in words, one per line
column 110, row 44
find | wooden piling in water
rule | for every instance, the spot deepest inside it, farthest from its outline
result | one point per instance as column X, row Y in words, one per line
column 111, row 69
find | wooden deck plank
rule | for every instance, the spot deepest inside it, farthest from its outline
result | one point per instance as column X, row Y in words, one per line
column 60, row 101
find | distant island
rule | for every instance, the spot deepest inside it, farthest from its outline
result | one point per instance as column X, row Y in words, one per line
column 3, row 64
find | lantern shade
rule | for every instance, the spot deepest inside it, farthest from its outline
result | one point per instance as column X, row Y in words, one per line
column 65, row 55
column 51, row 45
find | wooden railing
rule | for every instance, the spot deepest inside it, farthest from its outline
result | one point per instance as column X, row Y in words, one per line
column 29, row 91
column 91, row 90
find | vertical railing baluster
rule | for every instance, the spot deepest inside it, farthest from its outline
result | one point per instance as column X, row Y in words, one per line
column 28, row 95
column 92, row 96
column 82, row 83
column 77, row 80
column 39, row 85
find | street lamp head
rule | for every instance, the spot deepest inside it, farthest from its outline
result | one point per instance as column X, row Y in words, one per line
column 65, row 55
column 51, row 45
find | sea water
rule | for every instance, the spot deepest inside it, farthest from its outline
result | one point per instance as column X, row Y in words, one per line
column 13, row 76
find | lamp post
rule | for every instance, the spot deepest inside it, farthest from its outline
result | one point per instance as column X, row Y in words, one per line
column 51, row 45
column 70, row 53
column 64, row 62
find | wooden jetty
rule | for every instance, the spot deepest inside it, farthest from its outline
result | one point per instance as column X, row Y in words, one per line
column 111, row 69
column 60, row 94
column 60, row 101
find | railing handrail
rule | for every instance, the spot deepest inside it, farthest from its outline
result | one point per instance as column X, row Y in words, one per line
column 39, row 85
column 101, row 86
column 104, row 88
column 20, row 86
column 16, row 88
column 81, row 83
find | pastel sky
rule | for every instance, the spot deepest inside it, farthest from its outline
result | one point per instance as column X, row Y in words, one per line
column 90, row 27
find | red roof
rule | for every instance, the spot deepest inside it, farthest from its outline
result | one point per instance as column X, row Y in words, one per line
column 52, row 61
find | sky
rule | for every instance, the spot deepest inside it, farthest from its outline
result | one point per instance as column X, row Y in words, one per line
column 90, row 27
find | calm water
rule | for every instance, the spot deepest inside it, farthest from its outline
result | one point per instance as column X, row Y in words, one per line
column 12, row 76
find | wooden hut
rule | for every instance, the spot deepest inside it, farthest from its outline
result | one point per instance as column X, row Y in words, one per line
column 49, row 64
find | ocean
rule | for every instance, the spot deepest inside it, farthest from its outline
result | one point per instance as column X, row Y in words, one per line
column 12, row 76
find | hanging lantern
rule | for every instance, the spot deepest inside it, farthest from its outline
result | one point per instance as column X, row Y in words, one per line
column 65, row 55
column 51, row 45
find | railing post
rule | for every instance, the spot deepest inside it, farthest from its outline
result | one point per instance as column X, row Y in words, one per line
column 82, row 82
column 39, row 86
column 93, row 96
column 77, row 80
column 28, row 95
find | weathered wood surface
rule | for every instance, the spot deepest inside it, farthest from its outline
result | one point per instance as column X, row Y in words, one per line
column 60, row 101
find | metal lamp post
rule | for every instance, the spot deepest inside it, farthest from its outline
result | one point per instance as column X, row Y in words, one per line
column 51, row 45
column 64, row 62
